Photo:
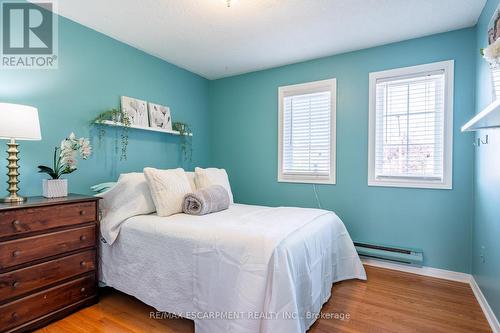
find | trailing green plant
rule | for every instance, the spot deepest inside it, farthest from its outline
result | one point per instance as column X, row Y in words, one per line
column 186, row 139
column 118, row 118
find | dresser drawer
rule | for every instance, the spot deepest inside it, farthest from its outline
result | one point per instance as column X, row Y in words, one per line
column 21, row 221
column 24, row 280
column 20, row 251
column 31, row 307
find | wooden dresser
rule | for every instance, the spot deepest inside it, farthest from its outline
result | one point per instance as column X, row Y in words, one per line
column 48, row 260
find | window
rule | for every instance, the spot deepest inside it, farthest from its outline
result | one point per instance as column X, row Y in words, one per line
column 411, row 127
column 307, row 132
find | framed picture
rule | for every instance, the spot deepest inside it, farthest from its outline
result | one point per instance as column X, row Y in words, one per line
column 159, row 116
column 136, row 110
column 494, row 27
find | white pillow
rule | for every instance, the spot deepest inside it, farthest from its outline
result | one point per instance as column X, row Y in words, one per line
column 191, row 175
column 168, row 188
column 213, row 176
column 129, row 197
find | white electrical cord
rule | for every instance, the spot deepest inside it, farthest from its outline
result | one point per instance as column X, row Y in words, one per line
column 317, row 197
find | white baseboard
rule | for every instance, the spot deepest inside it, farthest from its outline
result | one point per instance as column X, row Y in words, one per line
column 446, row 275
column 488, row 312
column 427, row 271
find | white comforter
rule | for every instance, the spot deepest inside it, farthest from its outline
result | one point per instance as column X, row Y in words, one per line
column 246, row 269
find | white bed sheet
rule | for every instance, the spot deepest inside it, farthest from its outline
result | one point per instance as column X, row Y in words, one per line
column 192, row 265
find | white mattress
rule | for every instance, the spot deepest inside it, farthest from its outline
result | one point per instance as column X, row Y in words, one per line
column 271, row 268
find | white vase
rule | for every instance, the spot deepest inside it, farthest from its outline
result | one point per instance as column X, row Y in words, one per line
column 495, row 78
column 55, row 188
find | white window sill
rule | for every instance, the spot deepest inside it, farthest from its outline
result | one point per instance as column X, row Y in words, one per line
column 411, row 184
column 306, row 180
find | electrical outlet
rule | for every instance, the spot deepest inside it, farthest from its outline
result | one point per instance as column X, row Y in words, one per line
column 482, row 254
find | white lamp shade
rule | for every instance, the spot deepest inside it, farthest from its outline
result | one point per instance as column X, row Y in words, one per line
column 19, row 122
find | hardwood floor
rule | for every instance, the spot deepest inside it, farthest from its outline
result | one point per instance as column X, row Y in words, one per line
column 390, row 301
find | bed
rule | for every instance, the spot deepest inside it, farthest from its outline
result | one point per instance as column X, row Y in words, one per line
column 244, row 269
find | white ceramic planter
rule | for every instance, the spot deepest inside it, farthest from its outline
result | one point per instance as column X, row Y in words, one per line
column 55, row 188
column 495, row 78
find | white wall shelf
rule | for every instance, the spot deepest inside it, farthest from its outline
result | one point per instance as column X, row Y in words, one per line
column 151, row 129
column 488, row 118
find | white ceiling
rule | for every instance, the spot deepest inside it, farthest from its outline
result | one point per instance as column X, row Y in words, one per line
column 206, row 37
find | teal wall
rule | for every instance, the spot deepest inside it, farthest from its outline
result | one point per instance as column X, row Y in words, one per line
column 235, row 126
column 244, row 139
column 94, row 71
column 486, row 225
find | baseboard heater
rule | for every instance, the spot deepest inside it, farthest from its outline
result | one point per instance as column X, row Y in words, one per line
column 390, row 253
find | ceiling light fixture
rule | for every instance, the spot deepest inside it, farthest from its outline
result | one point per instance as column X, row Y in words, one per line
column 228, row 3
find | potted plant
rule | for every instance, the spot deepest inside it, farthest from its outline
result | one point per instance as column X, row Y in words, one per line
column 492, row 55
column 65, row 160
column 186, row 139
column 118, row 118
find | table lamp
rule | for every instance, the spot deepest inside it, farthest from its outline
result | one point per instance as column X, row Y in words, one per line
column 17, row 122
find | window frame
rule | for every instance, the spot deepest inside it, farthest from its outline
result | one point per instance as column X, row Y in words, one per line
column 307, row 88
column 447, row 181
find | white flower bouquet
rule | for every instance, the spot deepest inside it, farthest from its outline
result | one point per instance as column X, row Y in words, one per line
column 65, row 156
column 492, row 53
column 65, row 160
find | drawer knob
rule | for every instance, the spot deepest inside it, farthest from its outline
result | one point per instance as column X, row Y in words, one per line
column 83, row 264
column 82, row 290
column 82, row 212
column 16, row 224
column 16, row 253
column 15, row 284
column 14, row 315
column 83, row 238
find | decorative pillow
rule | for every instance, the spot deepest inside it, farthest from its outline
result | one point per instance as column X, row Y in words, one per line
column 212, row 176
column 168, row 188
column 129, row 197
column 191, row 175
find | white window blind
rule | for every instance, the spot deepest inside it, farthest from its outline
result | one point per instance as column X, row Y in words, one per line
column 306, row 133
column 410, row 128
column 409, row 140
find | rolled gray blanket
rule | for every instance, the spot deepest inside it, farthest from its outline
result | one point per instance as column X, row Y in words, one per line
column 205, row 201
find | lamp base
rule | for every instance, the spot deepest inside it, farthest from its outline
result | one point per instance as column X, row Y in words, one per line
column 13, row 173
column 12, row 199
